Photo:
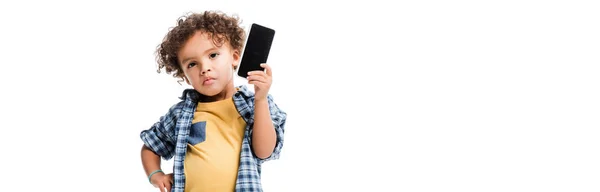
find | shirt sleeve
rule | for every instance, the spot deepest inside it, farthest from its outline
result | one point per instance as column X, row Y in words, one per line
column 160, row 138
column 278, row 116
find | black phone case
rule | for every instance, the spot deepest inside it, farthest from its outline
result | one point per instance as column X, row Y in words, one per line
column 256, row 51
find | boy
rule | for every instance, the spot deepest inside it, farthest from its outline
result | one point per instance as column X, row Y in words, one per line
column 219, row 134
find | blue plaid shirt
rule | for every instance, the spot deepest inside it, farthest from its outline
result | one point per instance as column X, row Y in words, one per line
column 168, row 137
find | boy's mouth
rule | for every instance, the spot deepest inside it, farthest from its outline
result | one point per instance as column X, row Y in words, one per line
column 208, row 81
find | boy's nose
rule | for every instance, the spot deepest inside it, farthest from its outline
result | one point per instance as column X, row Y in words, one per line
column 204, row 71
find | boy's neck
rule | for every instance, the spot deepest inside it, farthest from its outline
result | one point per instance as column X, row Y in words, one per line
column 225, row 94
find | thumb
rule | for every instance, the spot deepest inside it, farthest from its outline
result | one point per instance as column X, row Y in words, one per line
column 268, row 69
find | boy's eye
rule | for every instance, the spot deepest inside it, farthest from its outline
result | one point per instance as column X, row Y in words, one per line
column 192, row 64
column 213, row 55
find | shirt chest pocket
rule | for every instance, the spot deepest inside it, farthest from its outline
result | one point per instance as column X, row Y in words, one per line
column 197, row 133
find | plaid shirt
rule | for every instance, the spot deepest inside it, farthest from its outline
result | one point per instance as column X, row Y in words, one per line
column 168, row 137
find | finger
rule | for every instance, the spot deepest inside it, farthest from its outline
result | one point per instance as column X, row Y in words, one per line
column 267, row 68
column 257, row 78
column 161, row 186
column 253, row 82
column 261, row 73
column 168, row 186
column 257, row 84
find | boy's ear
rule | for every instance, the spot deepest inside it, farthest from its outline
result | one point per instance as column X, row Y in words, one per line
column 186, row 79
column 236, row 58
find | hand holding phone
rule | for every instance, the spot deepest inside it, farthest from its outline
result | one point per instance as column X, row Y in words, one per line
column 262, row 81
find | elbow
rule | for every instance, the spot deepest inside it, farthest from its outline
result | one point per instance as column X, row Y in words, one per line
column 263, row 155
column 263, row 152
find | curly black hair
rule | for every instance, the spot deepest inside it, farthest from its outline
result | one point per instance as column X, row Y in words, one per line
column 220, row 27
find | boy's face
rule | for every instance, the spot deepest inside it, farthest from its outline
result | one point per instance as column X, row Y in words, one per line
column 208, row 68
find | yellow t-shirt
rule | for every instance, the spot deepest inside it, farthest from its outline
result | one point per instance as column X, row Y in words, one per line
column 214, row 145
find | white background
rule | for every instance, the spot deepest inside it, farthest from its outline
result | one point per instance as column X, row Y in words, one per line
column 416, row 96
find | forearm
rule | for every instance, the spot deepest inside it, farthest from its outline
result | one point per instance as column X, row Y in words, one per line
column 150, row 160
column 263, row 134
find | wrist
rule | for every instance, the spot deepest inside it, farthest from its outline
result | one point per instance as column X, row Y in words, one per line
column 258, row 100
column 157, row 172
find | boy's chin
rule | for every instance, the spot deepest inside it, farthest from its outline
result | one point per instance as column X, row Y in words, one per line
column 209, row 91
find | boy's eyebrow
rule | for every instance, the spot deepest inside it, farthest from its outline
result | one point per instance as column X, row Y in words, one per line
column 185, row 60
column 190, row 58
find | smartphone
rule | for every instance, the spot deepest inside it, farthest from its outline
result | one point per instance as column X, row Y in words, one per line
column 257, row 48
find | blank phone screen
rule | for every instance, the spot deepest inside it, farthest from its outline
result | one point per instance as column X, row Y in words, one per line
column 256, row 50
